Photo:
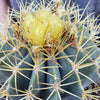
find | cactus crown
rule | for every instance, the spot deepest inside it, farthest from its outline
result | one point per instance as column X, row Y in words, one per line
column 41, row 25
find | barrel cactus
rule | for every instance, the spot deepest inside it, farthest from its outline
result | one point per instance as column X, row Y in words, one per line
column 49, row 53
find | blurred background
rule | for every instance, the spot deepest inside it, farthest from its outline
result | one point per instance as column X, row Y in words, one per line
column 94, row 5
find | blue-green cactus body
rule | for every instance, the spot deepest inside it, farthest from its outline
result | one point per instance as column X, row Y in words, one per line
column 63, row 72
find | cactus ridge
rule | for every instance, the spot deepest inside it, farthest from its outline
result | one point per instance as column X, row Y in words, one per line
column 49, row 53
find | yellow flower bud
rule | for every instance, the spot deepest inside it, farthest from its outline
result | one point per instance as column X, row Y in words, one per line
column 36, row 27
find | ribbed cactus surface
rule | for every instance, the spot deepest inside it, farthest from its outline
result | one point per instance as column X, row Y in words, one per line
column 49, row 53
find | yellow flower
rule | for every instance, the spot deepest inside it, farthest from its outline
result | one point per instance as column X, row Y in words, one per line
column 36, row 27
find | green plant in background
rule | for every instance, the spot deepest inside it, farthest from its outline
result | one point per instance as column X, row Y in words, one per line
column 49, row 53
